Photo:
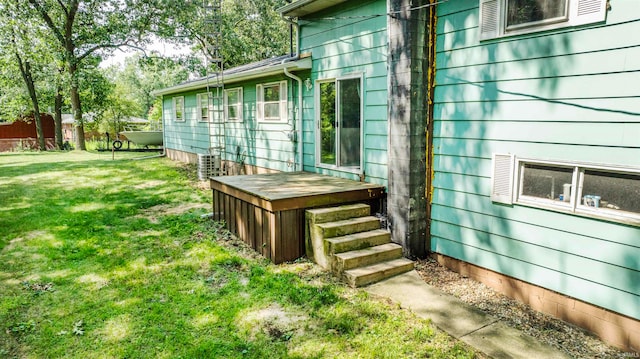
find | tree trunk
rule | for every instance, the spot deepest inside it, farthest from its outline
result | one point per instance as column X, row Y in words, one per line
column 57, row 117
column 25, row 70
column 76, row 106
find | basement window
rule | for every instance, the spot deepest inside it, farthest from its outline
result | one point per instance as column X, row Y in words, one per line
column 611, row 193
column 616, row 193
column 499, row 18
column 545, row 183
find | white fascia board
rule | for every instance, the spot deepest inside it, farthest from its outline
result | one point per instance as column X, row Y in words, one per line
column 302, row 64
column 305, row 7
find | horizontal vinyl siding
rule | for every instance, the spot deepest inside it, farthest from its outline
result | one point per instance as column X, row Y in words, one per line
column 261, row 144
column 568, row 95
column 308, row 128
column 343, row 40
column 189, row 135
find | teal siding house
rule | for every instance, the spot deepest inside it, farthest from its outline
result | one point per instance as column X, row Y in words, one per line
column 506, row 133
column 254, row 122
column 536, row 144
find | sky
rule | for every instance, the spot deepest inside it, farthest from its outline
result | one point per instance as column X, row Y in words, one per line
column 162, row 47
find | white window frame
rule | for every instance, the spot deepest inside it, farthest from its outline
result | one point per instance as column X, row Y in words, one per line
column 538, row 24
column 544, row 202
column 283, row 103
column 175, row 109
column 239, row 105
column 574, row 205
column 493, row 15
column 199, row 99
column 336, row 80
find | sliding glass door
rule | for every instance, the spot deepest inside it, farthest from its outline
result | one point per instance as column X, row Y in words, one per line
column 339, row 104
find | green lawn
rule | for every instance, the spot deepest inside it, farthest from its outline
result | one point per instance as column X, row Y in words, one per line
column 103, row 258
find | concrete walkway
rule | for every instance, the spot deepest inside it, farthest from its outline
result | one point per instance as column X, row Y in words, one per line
column 483, row 332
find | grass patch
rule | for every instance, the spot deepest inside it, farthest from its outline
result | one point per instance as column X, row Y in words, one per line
column 103, row 257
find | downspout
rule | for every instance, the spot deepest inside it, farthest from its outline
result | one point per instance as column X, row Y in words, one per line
column 297, row 26
column 297, row 128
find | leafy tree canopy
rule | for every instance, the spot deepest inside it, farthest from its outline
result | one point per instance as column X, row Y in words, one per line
column 251, row 30
column 141, row 75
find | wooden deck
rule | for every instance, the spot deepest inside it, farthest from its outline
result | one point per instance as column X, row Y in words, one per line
column 267, row 211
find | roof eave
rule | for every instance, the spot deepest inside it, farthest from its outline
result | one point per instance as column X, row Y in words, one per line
column 301, row 64
column 305, row 7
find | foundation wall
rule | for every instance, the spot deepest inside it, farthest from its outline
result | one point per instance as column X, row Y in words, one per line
column 613, row 328
column 233, row 168
column 181, row 156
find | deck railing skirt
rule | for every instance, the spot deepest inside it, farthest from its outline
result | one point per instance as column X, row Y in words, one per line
column 278, row 235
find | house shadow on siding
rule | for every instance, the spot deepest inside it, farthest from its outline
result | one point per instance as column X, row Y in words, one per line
column 471, row 104
column 512, row 95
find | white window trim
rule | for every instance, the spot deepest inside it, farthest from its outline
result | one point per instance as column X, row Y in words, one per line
column 175, row 109
column 336, row 167
column 240, row 105
column 492, row 18
column 284, row 97
column 573, row 206
column 543, row 202
column 209, row 107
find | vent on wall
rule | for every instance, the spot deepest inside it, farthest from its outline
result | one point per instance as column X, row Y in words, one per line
column 493, row 17
column 502, row 178
column 209, row 166
column 489, row 19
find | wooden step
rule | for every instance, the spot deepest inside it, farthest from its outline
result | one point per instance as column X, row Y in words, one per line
column 358, row 241
column 340, row 213
column 366, row 256
column 358, row 277
column 348, row 226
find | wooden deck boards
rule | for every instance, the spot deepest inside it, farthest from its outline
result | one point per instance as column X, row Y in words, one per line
column 267, row 211
column 289, row 190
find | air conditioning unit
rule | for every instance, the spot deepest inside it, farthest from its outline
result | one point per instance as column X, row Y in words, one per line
column 209, row 166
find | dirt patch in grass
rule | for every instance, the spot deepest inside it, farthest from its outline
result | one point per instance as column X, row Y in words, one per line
column 154, row 213
column 276, row 322
column 170, row 209
column 149, row 184
column 19, row 240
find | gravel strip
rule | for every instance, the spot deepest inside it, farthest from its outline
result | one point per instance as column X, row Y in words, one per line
column 554, row 332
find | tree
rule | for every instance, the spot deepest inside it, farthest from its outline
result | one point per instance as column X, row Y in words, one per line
column 25, row 48
column 58, row 101
column 155, row 112
column 25, row 70
column 84, row 28
column 252, row 30
column 13, row 97
column 121, row 106
column 142, row 75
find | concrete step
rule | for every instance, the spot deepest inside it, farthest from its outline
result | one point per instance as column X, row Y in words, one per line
column 366, row 256
column 358, row 277
column 340, row 213
column 358, row 241
column 348, row 226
